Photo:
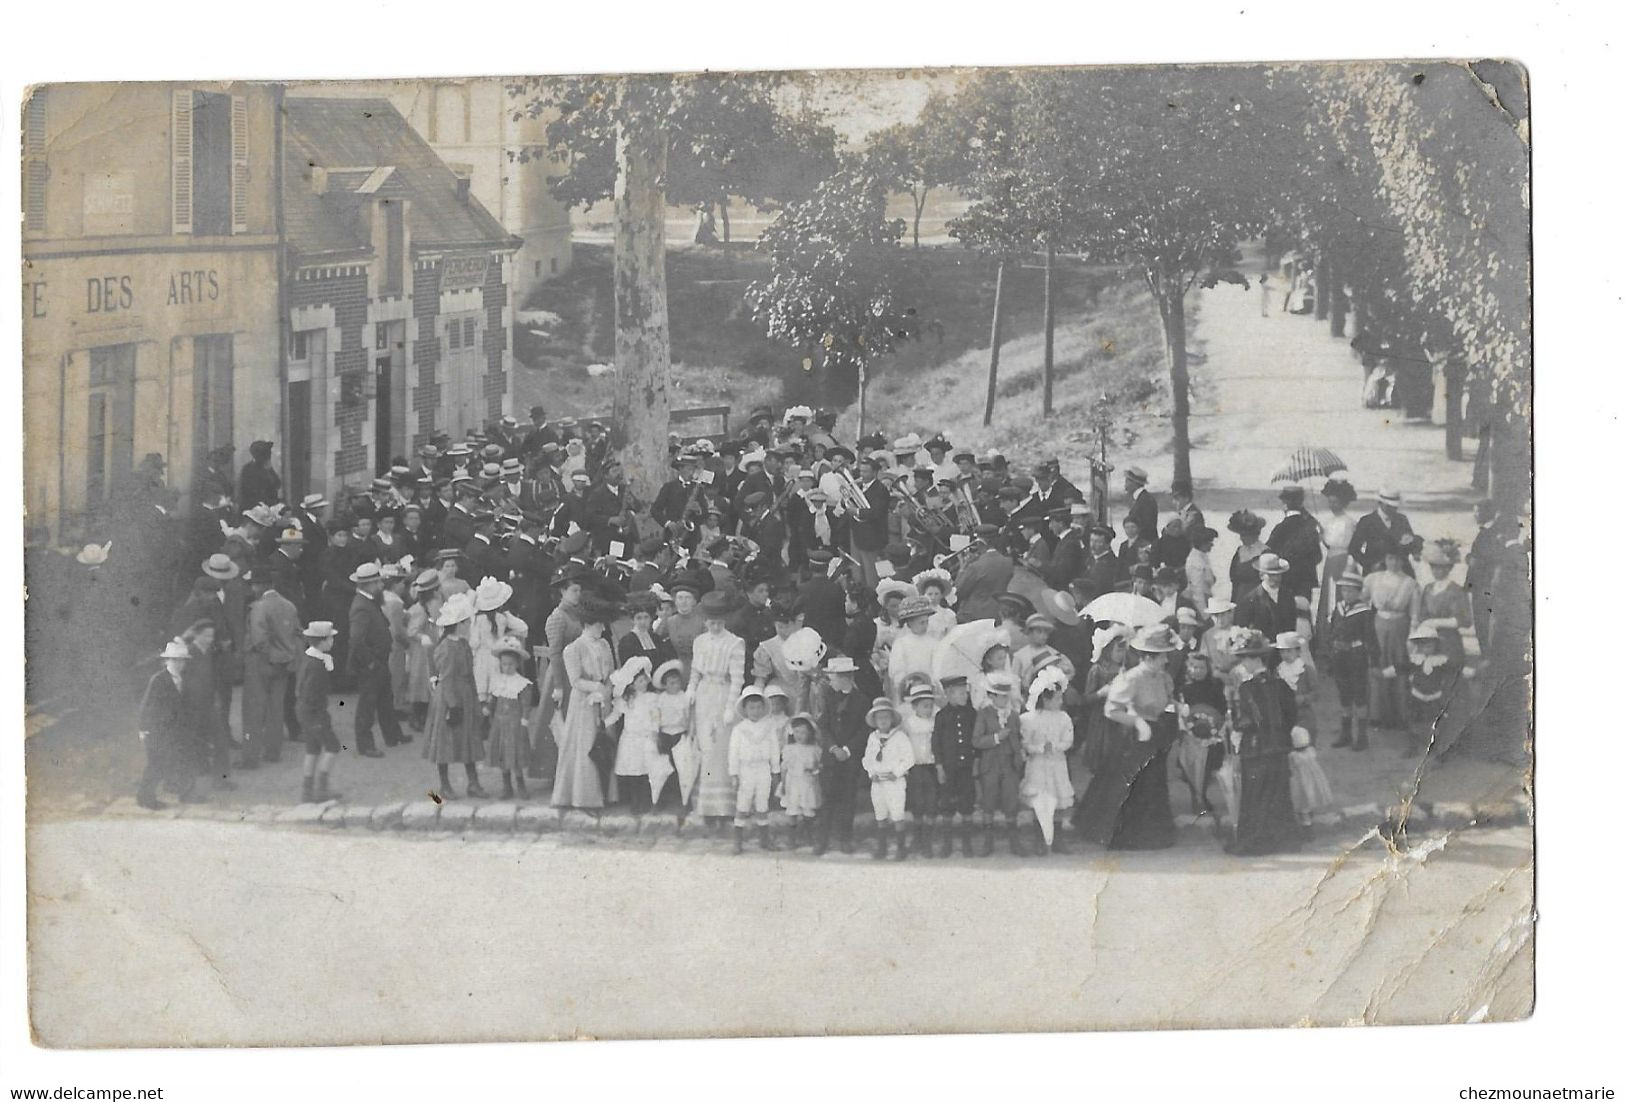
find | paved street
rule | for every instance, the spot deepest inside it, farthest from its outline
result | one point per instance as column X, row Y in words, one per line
column 259, row 933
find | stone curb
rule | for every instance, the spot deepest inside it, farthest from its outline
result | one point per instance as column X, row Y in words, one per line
column 509, row 817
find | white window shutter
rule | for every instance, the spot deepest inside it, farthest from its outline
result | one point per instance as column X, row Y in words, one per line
column 180, row 160
column 239, row 164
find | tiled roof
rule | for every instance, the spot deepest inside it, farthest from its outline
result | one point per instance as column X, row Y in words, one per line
column 354, row 140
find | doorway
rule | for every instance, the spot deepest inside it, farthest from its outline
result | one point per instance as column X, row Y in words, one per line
column 389, row 413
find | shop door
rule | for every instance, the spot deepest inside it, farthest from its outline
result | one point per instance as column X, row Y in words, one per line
column 212, row 396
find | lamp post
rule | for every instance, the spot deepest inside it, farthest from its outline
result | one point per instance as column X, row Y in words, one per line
column 1099, row 469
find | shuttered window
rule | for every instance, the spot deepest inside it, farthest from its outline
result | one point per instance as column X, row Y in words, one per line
column 35, row 172
column 180, row 160
column 239, row 164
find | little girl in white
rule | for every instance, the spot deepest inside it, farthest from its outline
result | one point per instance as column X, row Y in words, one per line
column 1046, row 735
column 506, row 693
column 673, row 739
column 802, row 795
column 639, row 746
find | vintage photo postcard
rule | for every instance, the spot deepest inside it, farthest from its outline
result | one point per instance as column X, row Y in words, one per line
column 778, row 553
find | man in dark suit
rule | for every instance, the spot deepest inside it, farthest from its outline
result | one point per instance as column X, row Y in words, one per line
column 370, row 644
column 983, row 578
column 1185, row 511
column 258, row 483
column 1482, row 560
column 823, row 601
column 1269, row 608
column 675, row 496
column 1066, row 563
column 872, row 528
column 843, row 733
column 1142, row 507
column 1375, row 533
column 762, row 526
column 1297, row 540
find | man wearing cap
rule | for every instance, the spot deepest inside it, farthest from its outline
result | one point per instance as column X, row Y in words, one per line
column 1101, row 567
column 271, row 647
column 286, row 562
column 1142, row 507
column 537, row 433
column 1269, row 608
column 983, row 577
column 1297, row 540
column 674, row 498
column 1375, row 533
column 843, row 733
column 370, row 643
column 823, row 601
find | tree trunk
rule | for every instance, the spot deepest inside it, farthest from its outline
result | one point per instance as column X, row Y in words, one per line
column 1171, row 305
column 642, row 335
column 1324, row 278
column 993, row 350
column 727, row 223
column 1454, row 374
column 863, row 397
column 919, row 212
column 1049, row 330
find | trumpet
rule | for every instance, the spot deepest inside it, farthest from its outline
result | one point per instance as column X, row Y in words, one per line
column 951, row 561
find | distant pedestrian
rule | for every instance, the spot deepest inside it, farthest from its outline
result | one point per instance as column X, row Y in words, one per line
column 161, row 724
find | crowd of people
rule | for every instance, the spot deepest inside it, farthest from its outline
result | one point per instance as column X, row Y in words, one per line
column 792, row 623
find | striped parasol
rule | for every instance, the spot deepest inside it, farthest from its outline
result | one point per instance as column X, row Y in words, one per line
column 1306, row 463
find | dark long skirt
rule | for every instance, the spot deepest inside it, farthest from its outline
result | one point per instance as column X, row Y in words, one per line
column 1126, row 804
column 1266, row 822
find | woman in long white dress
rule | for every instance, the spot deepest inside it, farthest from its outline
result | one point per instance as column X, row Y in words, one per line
column 714, row 682
column 587, row 664
column 1336, row 532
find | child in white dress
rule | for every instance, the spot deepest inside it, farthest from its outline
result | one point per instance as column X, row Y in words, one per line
column 802, row 795
column 1046, row 735
column 639, row 712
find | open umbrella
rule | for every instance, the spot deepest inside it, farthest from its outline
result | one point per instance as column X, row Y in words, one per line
column 1306, row 463
column 961, row 651
column 1125, row 608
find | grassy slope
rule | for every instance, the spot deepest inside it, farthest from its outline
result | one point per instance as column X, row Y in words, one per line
column 1107, row 339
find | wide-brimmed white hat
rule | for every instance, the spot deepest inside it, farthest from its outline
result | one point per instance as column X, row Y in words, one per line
column 750, row 692
column 367, row 572
column 628, row 673
column 1289, row 640
column 458, row 607
column 491, row 595
column 1218, row 605
column 1271, row 563
column 804, row 648
column 671, row 666
column 221, row 567
column 889, row 587
column 175, row 649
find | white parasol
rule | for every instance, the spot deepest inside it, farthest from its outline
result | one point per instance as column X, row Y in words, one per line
column 1125, row 608
column 686, row 756
column 961, row 651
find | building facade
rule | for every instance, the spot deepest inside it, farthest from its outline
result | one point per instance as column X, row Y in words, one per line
column 398, row 292
column 150, row 316
column 470, row 123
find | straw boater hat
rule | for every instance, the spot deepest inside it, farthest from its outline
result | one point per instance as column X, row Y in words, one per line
column 921, row 691
column 882, row 704
column 841, row 663
column 1389, row 498
column 93, row 554
column 1271, row 563
column 1060, row 606
column 320, row 629
column 914, row 608
column 175, row 649
column 367, row 572
column 674, row 666
column 491, row 595
column 1218, row 606
column 290, row 534
column 1288, row 640
column 1155, row 639
column 458, row 607
column 1039, row 622
column 1351, row 576
column 311, row 502
column 427, row 582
